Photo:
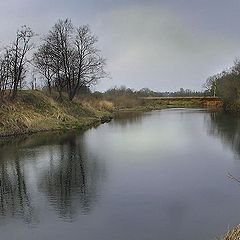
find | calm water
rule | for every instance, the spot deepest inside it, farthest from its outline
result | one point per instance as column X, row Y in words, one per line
column 159, row 175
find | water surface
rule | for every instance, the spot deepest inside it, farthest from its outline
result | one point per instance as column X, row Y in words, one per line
column 158, row 175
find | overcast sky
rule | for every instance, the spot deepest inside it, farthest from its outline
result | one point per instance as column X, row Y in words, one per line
column 162, row 45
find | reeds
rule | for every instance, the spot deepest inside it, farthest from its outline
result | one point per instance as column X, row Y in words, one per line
column 233, row 234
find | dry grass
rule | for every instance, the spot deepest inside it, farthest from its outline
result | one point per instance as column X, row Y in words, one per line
column 126, row 102
column 101, row 105
column 233, row 234
column 34, row 111
column 212, row 102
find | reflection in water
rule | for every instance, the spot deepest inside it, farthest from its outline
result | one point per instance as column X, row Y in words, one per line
column 69, row 177
column 14, row 197
column 227, row 127
column 71, row 182
column 125, row 119
column 163, row 171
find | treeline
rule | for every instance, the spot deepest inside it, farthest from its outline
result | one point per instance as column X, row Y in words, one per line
column 66, row 58
column 146, row 92
column 226, row 85
column 123, row 97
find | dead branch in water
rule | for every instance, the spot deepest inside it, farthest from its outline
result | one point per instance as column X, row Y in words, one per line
column 230, row 176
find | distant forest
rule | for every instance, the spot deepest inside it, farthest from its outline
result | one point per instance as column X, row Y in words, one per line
column 146, row 92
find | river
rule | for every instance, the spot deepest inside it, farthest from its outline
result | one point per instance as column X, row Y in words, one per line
column 143, row 176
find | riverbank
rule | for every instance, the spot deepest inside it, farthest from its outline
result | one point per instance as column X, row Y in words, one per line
column 35, row 111
column 204, row 102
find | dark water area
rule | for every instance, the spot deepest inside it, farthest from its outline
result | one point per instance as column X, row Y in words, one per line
column 144, row 176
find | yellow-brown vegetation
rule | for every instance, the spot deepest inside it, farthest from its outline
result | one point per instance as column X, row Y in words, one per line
column 33, row 111
column 233, row 234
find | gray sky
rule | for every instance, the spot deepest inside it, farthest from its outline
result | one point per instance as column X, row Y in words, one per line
column 163, row 45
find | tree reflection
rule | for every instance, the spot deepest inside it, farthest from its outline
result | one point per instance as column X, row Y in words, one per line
column 227, row 127
column 14, row 196
column 57, row 165
column 71, row 181
column 125, row 119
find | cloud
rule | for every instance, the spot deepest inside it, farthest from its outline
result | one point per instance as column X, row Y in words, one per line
column 163, row 45
column 154, row 47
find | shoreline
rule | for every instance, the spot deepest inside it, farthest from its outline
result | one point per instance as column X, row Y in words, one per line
column 35, row 112
column 94, row 122
column 83, row 126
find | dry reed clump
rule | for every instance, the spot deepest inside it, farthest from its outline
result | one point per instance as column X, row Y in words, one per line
column 125, row 101
column 233, row 234
column 106, row 105
column 217, row 103
column 103, row 105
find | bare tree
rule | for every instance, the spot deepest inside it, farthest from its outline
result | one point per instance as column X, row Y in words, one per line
column 53, row 57
column 13, row 62
column 69, row 59
column 18, row 57
column 44, row 64
column 88, row 63
column 5, row 71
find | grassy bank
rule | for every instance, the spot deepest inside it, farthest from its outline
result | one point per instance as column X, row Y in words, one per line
column 128, row 102
column 186, row 102
column 34, row 111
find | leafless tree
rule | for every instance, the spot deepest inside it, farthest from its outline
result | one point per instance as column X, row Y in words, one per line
column 5, row 71
column 89, row 66
column 68, row 58
column 19, row 50
column 44, row 64
column 13, row 61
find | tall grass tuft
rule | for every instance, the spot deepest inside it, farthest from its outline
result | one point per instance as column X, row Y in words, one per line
column 233, row 234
